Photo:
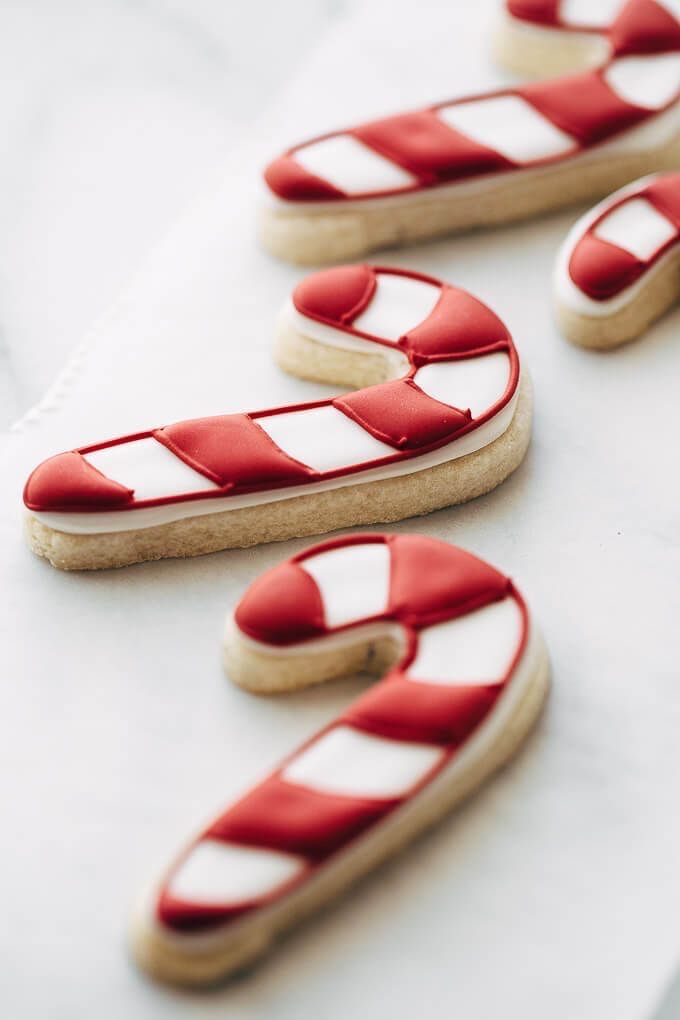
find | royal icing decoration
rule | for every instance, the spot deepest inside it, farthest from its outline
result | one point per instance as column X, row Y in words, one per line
column 458, row 383
column 615, row 247
column 464, row 631
column 500, row 132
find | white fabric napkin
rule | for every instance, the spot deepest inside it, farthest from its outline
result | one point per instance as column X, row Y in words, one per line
column 554, row 892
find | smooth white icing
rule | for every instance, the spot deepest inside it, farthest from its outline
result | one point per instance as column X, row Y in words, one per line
column 672, row 6
column 353, row 581
column 650, row 135
column 476, row 648
column 351, row 166
column 398, row 304
column 347, row 761
column 637, row 227
column 222, row 873
column 565, row 290
column 509, row 125
column 589, row 13
column 323, row 438
column 649, row 81
column 473, row 384
column 149, row 468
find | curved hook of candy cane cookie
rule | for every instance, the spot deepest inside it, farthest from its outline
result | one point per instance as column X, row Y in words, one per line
column 618, row 269
column 467, row 674
column 547, row 37
column 451, row 422
column 485, row 159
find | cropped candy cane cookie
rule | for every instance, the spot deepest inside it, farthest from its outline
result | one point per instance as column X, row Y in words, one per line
column 466, row 674
column 619, row 268
column 545, row 37
column 495, row 157
column 451, row 422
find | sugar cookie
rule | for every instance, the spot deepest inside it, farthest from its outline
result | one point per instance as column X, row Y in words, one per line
column 466, row 676
column 619, row 268
column 489, row 158
column 451, row 422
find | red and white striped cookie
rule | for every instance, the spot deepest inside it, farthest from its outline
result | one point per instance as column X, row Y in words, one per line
column 486, row 158
column 541, row 37
column 618, row 269
column 446, row 421
column 467, row 674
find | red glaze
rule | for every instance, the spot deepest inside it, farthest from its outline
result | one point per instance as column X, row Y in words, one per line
column 584, row 106
column 542, row 12
column 643, row 26
column 425, row 146
column 238, row 455
column 581, row 105
column 402, row 415
column 430, row 581
column 603, row 270
column 232, row 450
column 68, row 479
column 336, row 296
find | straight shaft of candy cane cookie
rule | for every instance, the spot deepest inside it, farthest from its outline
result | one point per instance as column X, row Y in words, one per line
column 448, row 417
column 484, row 159
column 466, row 676
column 619, row 268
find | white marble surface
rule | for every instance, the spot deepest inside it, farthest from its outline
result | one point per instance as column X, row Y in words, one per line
column 554, row 892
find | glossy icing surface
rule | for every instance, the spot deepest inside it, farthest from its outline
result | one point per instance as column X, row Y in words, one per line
column 464, row 629
column 432, row 334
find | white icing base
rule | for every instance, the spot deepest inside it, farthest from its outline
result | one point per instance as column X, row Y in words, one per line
column 566, row 292
column 638, row 228
column 353, row 581
column 476, row 648
column 78, row 523
column 351, row 763
column 351, row 166
column 650, row 82
column 149, row 468
column 509, row 125
column 473, row 384
column 589, row 13
column 398, row 305
column 323, row 438
column 215, row 872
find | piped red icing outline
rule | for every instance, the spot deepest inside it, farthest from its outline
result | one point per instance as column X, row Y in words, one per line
column 377, row 712
column 609, row 279
column 633, row 41
column 303, row 474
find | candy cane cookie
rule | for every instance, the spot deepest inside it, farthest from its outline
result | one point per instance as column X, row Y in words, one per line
column 443, row 416
column 465, row 674
column 619, row 268
column 490, row 158
column 547, row 37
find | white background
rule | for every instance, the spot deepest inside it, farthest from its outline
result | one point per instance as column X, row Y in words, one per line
column 555, row 891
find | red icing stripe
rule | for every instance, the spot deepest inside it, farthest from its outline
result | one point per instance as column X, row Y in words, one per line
column 336, row 296
column 429, row 581
column 602, row 270
column 664, row 194
column 282, row 607
column 283, row 816
column 404, row 709
column 402, row 415
column 542, row 12
column 584, row 106
column 457, row 581
column 644, row 26
column 424, row 145
column 69, row 481
column 285, row 176
column 458, row 324
column 232, row 450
